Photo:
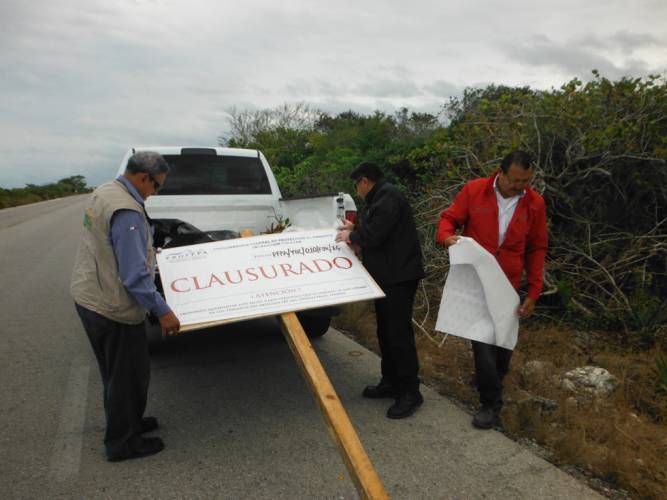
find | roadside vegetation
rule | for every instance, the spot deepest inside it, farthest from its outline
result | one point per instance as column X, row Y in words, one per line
column 601, row 154
column 32, row 193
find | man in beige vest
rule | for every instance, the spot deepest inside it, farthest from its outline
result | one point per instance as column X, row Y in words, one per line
column 113, row 288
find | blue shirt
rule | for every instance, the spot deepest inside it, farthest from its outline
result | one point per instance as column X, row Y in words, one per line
column 128, row 240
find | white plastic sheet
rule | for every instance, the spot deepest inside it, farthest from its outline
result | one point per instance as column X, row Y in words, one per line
column 478, row 301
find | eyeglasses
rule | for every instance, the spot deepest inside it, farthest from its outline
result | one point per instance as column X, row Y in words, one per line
column 156, row 184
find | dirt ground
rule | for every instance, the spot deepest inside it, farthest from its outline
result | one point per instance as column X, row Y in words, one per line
column 618, row 444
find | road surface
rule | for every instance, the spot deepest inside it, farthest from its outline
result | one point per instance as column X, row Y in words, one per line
column 237, row 418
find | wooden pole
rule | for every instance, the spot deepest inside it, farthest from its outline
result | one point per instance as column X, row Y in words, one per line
column 365, row 478
column 363, row 474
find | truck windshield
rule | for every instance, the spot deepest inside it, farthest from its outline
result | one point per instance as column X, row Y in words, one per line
column 208, row 174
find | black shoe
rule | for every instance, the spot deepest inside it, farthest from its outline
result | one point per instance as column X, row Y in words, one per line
column 406, row 404
column 148, row 424
column 146, row 447
column 382, row 390
column 486, row 417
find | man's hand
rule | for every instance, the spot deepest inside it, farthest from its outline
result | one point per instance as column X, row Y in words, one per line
column 343, row 235
column 451, row 240
column 527, row 308
column 346, row 225
column 170, row 324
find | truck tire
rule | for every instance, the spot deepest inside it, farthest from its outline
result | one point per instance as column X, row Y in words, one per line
column 314, row 326
column 153, row 334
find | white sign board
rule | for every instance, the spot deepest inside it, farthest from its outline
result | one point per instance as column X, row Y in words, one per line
column 478, row 301
column 262, row 275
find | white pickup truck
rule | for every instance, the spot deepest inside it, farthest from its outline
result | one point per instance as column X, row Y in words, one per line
column 214, row 193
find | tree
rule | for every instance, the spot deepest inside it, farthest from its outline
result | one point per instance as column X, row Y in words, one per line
column 75, row 183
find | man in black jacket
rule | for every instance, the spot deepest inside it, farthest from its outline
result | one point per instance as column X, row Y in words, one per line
column 391, row 253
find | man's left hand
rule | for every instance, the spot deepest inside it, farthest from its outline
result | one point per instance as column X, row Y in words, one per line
column 170, row 324
column 346, row 224
column 343, row 236
column 527, row 308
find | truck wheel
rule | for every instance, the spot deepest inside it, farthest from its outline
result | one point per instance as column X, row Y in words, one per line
column 153, row 335
column 314, row 326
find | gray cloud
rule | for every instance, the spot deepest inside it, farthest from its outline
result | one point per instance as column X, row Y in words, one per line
column 579, row 58
column 317, row 88
column 623, row 41
column 83, row 80
column 628, row 42
column 399, row 88
column 443, row 89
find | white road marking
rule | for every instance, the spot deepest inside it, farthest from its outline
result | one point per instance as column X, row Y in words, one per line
column 66, row 457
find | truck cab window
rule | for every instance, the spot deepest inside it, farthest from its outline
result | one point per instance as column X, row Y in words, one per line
column 208, row 174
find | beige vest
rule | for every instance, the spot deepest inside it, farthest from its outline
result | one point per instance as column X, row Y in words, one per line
column 96, row 284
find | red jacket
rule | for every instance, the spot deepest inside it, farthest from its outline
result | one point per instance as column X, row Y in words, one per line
column 475, row 209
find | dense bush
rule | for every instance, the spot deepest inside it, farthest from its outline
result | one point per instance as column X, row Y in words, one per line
column 33, row 193
column 600, row 149
column 600, row 155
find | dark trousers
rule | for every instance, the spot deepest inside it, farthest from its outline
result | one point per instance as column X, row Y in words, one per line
column 400, row 366
column 122, row 355
column 491, row 365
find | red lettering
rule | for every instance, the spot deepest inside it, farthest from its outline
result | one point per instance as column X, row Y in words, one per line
column 303, row 267
column 344, row 259
column 214, row 279
column 317, row 266
column 251, row 272
column 275, row 273
column 196, row 282
column 230, row 280
column 287, row 268
column 173, row 286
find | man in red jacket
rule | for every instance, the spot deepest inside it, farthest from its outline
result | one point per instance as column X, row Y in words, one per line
column 504, row 215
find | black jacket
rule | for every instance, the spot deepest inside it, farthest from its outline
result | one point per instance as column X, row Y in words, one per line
column 387, row 235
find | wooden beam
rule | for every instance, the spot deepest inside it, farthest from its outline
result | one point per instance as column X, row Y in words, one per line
column 358, row 464
column 363, row 474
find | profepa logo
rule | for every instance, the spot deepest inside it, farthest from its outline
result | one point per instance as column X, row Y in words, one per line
column 187, row 255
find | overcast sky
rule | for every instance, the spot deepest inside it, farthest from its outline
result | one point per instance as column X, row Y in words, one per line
column 82, row 81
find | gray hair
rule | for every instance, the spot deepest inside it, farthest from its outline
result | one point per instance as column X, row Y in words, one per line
column 147, row 162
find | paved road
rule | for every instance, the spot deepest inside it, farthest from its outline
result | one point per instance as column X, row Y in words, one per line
column 237, row 419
